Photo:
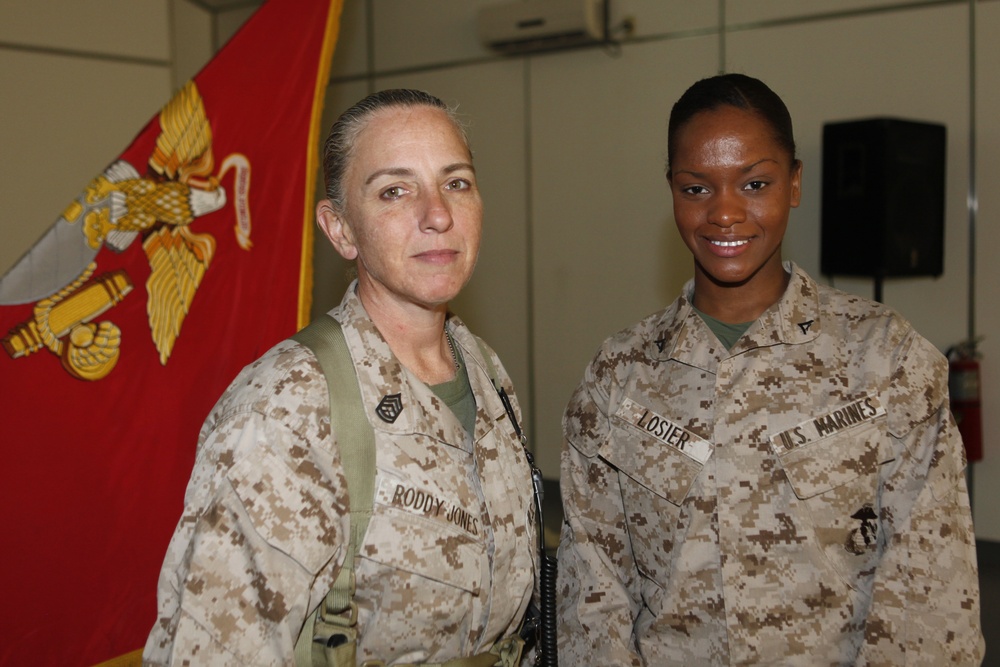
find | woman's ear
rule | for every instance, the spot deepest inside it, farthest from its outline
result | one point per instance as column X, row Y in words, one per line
column 796, row 194
column 336, row 229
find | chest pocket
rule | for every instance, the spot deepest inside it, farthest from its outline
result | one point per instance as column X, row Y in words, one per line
column 428, row 548
column 655, row 479
column 662, row 470
column 836, row 460
column 656, row 452
column 836, row 480
column 419, row 581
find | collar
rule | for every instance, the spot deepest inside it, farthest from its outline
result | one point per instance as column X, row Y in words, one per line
column 396, row 402
column 683, row 336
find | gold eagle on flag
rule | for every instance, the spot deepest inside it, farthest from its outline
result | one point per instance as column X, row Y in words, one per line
column 117, row 207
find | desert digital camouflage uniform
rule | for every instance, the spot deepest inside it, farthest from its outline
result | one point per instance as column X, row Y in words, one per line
column 447, row 565
column 797, row 500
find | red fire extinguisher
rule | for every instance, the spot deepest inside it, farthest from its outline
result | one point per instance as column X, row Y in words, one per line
column 963, row 385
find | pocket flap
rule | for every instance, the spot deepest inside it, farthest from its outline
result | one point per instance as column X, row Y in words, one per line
column 833, row 461
column 662, row 469
column 424, row 547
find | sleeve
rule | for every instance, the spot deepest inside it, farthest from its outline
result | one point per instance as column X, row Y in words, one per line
column 256, row 549
column 598, row 583
column 925, row 601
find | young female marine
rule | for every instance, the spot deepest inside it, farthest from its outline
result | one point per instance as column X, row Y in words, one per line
column 766, row 472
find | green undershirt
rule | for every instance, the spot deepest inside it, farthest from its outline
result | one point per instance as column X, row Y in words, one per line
column 727, row 333
column 457, row 394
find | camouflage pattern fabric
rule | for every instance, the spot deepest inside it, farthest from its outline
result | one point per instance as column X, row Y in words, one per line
column 447, row 565
column 797, row 500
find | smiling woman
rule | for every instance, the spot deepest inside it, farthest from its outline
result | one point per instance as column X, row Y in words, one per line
column 733, row 188
column 765, row 472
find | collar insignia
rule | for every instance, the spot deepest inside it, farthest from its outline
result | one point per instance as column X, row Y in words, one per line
column 805, row 326
column 661, row 343
column 389, row 408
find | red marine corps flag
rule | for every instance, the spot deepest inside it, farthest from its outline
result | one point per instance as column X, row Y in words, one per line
column 184, row 260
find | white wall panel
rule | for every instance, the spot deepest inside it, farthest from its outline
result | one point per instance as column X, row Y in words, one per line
column 908, row 64
column 753, row 11
column 606, row 252
column 411, row 34
column 192, row 33
column 117, row 27
column 664, row 17
column 404, row 38
column 69, row 118
column 351, row 54
column 986, row 492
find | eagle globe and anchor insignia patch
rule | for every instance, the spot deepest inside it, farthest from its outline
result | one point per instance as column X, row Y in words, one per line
column 120, row 206
column 865, row 536
column 389, row 408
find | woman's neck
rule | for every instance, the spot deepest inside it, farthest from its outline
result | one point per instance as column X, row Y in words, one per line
column 738, row 303
column 415, row 335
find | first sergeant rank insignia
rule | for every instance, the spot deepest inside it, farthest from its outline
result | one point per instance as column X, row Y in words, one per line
column 389, row 408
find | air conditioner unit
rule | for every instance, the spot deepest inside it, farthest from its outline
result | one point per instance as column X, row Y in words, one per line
column 524, row 26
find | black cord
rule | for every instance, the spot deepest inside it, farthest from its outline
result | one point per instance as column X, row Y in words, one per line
column 547, row 653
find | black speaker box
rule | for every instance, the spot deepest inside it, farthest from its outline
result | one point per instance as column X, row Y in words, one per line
column 883, row 198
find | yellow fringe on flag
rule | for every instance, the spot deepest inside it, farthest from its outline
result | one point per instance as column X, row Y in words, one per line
column 133, row 659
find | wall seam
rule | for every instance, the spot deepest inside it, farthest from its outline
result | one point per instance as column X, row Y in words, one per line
column 529, row 202
column 86, row 55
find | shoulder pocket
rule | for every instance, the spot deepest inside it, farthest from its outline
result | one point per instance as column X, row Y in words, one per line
column 294, row 513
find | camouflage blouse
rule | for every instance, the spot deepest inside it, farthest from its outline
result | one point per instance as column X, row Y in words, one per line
column 796, row 500
column 447, row 565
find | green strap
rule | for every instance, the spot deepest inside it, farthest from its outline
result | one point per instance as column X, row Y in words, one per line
column 337, row 614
